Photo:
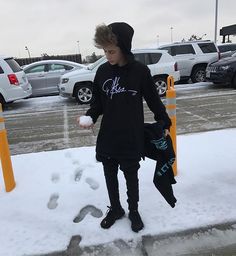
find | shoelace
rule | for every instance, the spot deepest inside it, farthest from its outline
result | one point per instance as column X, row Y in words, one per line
column 108, row 210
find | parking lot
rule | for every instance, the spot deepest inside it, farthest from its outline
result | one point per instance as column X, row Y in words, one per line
column 49, row 123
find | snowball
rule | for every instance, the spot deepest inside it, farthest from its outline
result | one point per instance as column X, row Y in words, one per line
column 85, row 120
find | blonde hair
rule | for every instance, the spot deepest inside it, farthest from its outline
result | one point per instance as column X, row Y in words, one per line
column 104, row 36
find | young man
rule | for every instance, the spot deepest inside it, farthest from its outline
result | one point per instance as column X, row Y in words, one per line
column 119, row 87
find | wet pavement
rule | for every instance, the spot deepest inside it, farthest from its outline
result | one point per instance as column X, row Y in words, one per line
column 49, row 123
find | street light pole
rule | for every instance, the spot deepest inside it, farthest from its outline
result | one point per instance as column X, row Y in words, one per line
column 78, row 47
column 27, row 49
column 157, row 41
column 171, row 34
column 216, row 20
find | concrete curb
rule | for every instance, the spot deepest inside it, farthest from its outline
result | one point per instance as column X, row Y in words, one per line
column 219, row 239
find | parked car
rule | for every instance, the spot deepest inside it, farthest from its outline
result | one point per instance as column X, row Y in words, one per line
column 14, row 84
column 223, row 71
column 161, row 65
column 193, row 57
column 44, row 76
column 78, row 83
column 227, row 49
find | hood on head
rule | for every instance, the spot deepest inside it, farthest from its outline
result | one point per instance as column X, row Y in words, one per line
column 124, row 33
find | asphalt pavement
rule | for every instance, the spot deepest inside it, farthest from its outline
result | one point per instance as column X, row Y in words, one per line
column 49, row 123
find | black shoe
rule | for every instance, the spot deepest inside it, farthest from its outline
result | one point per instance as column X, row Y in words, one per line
column 136, row 221
column 112, row 216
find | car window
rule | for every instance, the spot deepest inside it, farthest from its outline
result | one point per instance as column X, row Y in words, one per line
column 227, row 47
column 154, row 57
column 167, row 48
column 207, row 48
column 147, row 58
column 97, row 63
column 56, row 67
column 13, row 65
column 35, row 69
column 140, row 57
column 182, row 49
column 144, row 58
column 1, row 70
column 67, row 67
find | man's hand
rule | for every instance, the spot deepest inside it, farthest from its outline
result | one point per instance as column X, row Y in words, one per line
column 167, row 132
column 85, row 122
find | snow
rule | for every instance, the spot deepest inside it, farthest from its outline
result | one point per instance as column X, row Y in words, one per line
column 54, row 188
column 85, row 121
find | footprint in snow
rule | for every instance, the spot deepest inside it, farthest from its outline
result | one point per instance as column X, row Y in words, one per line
column 89, row 209
column 78, row 173
column 68, row 154
column 55, row 177
column 92, row 183
column 52, row 203
column 75, row 162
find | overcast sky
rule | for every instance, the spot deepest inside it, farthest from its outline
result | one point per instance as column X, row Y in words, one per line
column 56, row 26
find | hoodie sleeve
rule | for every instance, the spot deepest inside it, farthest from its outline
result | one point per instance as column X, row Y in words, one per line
column 96, row 108
column 153, row 100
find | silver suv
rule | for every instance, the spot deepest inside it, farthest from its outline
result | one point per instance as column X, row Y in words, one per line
column 193, row 57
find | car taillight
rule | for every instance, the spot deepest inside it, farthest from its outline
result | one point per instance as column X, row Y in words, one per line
column 176, row 66
column 13, row 79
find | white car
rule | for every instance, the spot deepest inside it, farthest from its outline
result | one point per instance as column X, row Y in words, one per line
column 78, row 83
column 14, row 84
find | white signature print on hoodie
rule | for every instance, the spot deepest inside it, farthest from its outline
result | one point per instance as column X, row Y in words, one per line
column 111, row 87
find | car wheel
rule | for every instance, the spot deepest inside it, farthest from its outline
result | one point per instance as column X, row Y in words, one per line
column 161, row 85
column 2, row 101
column 234, row 81
column 198, row 74
column 83, row 93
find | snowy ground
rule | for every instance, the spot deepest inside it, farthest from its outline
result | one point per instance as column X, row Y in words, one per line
column 54, row 188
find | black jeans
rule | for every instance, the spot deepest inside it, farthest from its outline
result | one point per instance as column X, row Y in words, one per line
column 130, row 169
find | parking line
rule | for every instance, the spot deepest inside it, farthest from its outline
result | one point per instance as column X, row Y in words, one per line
column 66, row 130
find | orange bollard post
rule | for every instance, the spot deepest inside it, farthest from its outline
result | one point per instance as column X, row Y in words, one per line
column 7, row 170
column 171, row 110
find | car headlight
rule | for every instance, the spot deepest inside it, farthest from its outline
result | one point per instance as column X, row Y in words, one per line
column 224, row 67
column 64, row 80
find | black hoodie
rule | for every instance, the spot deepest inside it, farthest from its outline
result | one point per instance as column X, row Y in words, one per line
column 118, row 95
column 124, row 34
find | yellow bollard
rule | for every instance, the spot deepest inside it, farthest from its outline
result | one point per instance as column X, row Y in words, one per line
column 7, row 170
column 171, row 110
